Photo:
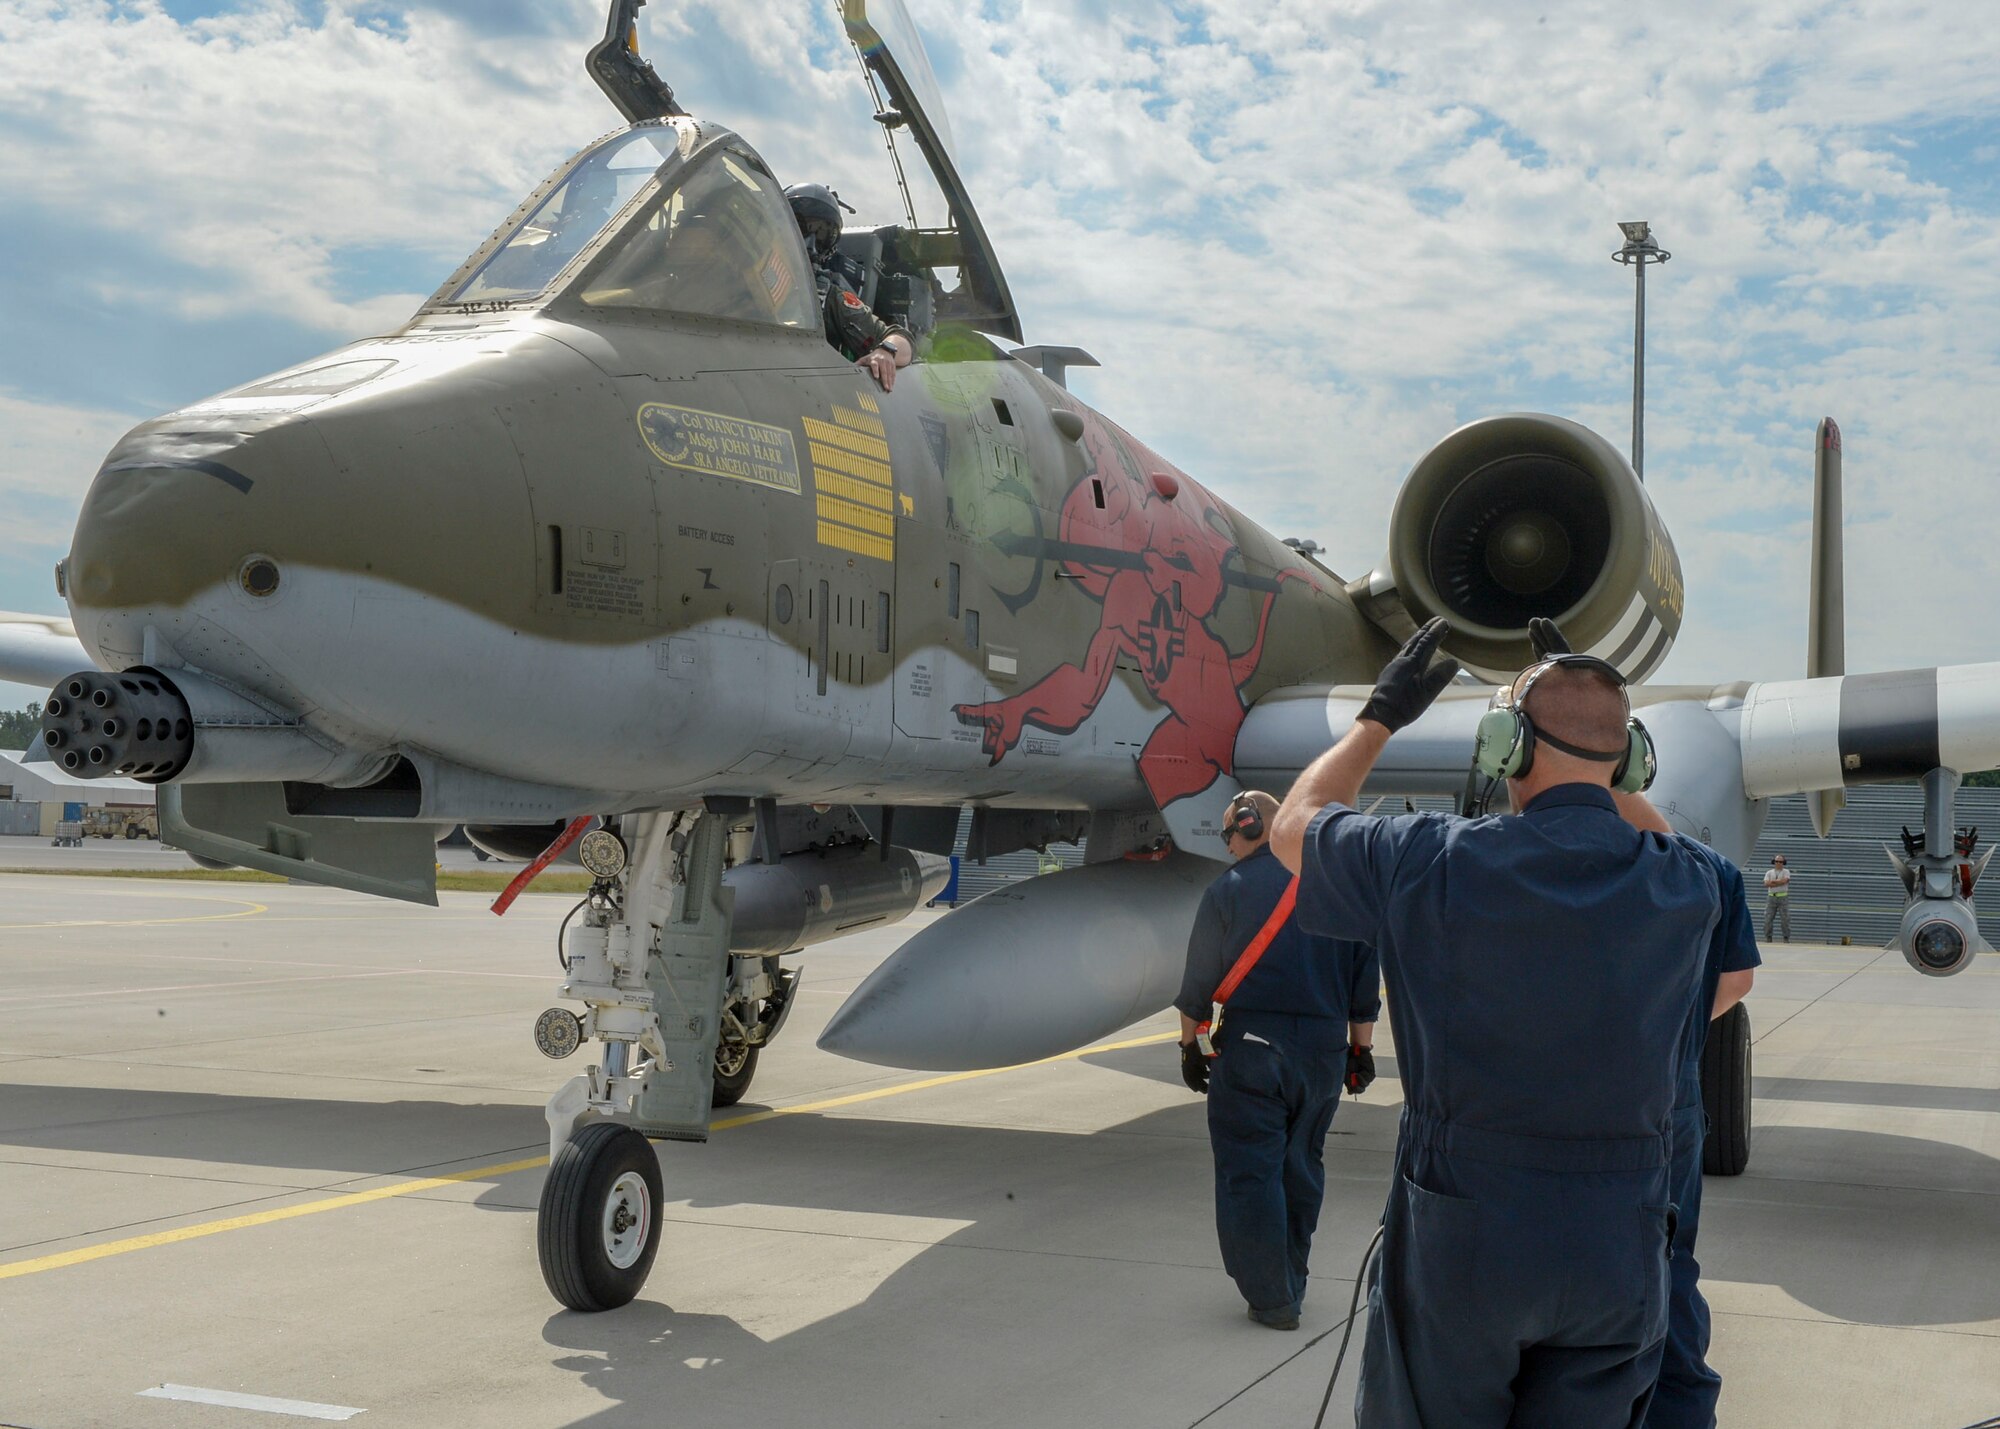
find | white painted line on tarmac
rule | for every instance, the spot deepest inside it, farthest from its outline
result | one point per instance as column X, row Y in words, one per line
column 263, row 1404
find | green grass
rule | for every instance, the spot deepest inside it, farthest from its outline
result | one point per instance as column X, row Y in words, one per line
column 448, row 882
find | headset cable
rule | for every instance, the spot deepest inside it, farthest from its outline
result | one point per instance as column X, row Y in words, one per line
column 1347, row 1333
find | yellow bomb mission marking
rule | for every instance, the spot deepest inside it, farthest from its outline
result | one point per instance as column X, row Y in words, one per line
column 717, row 445
column 855, row 490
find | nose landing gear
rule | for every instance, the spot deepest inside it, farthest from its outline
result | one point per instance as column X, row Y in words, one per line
column 650, row 962
column 598, row 1227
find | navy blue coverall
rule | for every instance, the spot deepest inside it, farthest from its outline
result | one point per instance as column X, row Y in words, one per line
column 1688, row 1388
column 1542, row 971
column 1276, row 1078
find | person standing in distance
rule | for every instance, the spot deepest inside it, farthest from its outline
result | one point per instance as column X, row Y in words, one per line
column 1778, row 897
column 1297, row 1026
column 1542, row 969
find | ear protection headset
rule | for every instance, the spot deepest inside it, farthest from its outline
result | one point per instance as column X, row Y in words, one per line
column 1242, row 819
column 1504, row 747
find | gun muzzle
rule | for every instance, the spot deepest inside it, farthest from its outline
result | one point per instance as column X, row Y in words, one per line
column 147, row 725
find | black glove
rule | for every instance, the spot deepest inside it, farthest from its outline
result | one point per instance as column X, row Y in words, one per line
column 1409, row 682
column 1545, row 639
column 1360, row 1070
column 1194, row 1068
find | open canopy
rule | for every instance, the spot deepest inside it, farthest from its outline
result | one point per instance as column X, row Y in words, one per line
column 887, row 38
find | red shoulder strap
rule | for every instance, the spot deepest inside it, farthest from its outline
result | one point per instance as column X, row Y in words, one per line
column 1279, row 916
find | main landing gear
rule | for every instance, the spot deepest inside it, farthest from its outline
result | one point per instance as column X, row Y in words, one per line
column 1725, row 1093
column 650, row 961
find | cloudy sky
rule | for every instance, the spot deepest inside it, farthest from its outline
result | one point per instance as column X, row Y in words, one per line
column 1305, row 237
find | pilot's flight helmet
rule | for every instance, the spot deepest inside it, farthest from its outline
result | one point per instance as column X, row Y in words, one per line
column 817, row 208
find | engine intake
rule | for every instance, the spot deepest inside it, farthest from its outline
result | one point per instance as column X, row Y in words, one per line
column 1520, row 516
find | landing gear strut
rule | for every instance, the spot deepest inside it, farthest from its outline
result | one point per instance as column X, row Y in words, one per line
column 759, row 1000
column 650, row 962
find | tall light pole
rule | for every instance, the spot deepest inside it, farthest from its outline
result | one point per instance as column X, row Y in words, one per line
column 1639, row 250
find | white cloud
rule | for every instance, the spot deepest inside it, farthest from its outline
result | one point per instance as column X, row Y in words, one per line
column 47, row 455
column 1307, row 238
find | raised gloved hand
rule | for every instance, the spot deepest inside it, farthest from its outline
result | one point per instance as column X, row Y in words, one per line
column 1545, row 639
column 1360, row 1070
column 1409, row 682
column 1194, row 1068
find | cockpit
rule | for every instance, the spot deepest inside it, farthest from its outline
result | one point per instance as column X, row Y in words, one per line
column 595, row 191
column 714, row 239
column 677, row 217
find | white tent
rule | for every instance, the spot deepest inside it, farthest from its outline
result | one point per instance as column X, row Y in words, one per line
column 43, row 782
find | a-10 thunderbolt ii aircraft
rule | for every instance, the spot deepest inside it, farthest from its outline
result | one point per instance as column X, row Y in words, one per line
column 608, row 529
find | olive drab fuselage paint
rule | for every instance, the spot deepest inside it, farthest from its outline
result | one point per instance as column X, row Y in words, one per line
column 660, row 555
column 781, row 581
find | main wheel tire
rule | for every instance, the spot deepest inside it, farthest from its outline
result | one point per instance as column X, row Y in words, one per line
column 598, row 1227
column 131, row 831
column 1725, row 1093
column 734, row 1067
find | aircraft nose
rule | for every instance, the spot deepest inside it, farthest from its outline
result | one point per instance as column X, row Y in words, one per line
column 180, row 509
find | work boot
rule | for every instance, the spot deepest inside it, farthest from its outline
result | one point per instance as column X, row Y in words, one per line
column 1285, row 1317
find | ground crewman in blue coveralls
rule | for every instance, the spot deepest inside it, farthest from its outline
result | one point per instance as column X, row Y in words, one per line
column 1686, row 1393
column 1688, row 1388
column 1296, row 1028
column 1542, row 970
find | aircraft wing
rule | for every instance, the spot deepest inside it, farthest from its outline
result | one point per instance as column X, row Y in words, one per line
column 1789, row 736
column 1800, row 735
column 39, row 649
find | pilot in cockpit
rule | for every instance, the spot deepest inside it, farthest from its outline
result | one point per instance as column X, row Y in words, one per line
column 851, row 325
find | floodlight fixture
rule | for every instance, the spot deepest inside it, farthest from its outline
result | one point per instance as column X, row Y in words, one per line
column 1640, row 249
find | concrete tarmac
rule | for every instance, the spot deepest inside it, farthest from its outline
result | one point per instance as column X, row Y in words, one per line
column 254, row 1140
column 96, row 855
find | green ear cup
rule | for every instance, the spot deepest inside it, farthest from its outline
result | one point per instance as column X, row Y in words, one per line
column 1635, row 772
column 1502, row 747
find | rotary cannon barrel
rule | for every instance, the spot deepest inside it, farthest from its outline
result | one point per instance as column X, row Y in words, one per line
column 133, row 726
column 186, row 727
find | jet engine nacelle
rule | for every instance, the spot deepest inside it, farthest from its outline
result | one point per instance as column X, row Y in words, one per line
column 1520, row 516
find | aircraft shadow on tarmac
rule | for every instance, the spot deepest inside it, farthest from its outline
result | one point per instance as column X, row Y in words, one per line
column 1086, row 1267
column 1903, row 1094
column 1860, row 1225
column 1160, row 1063
column 1080, row 1258
column 368, row 1138
column 1102, row 1244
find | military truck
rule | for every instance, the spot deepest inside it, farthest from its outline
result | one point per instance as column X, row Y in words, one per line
column 115, row 823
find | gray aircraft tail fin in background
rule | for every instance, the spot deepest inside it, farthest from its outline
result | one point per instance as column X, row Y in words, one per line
column 1826, row 624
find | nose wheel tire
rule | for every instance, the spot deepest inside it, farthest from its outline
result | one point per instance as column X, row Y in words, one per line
column 735, row 1065
column 598, row 1227
column 1725, row 1093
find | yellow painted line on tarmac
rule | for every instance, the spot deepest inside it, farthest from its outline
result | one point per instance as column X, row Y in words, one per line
column 856, row 1098
column 256, row 1218
column 245, row 909
column 88, row 1253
